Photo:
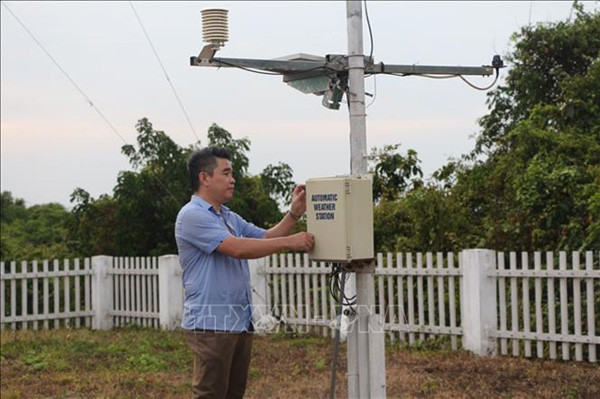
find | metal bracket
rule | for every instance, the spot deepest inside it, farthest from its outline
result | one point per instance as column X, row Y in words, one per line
column 207, row 53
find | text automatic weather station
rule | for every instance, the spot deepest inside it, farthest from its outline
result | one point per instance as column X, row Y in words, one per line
column 340, row 215
column 340, row 209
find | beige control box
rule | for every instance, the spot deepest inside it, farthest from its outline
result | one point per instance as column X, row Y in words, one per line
column 340, row 215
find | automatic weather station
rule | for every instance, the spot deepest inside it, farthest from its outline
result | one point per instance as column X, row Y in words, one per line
column 340, row 209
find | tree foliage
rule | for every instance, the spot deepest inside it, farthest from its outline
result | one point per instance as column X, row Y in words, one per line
column 35, row 232
column 138, row 219
column 532, row 181
column 393, row 173
column 536, row 188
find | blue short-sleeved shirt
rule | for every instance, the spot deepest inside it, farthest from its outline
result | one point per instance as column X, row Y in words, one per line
column 217, row 286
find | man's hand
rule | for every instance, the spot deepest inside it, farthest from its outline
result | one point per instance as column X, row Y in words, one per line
column 302, row 242
column 298, row 207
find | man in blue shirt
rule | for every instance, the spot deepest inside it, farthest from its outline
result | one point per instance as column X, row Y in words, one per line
column 214, row 243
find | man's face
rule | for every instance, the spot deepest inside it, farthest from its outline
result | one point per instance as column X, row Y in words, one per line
column 221, row 184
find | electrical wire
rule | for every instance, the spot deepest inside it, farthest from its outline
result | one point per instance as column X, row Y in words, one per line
column 448, row 77
column 231, row 64
column 371, row 55
column 187, row 117
column 336, row 344
column 374, row 92
column 370, row 32
column 76, row 86
column 337, row 280
column 480, row 88
column 248, row 69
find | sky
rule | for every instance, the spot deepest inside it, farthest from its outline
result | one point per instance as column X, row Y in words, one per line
column 53, row 141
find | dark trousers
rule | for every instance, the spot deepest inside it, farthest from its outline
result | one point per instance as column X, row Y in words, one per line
column 221, row 363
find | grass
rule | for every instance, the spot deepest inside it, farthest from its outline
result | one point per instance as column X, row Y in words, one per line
column 145, row 363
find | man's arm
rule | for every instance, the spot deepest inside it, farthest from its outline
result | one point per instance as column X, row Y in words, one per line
column 277, row 238
column 297, row 209
column 252, row 248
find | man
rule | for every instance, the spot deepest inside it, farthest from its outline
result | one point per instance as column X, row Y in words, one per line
column 213, row 244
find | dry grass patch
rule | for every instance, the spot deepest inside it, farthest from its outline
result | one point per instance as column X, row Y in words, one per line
column 143, row 363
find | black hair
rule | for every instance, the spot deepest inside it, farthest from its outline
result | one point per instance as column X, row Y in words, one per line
column 204, row 160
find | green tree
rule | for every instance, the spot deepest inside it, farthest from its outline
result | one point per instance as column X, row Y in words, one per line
column 255, row 196
column 532, row 181
column 93, row 226
column 11, row 208
column 139, row 218
column 148, row 198
column 277, row 181
column 394, row 173
column 424, row 219
column 36, row 232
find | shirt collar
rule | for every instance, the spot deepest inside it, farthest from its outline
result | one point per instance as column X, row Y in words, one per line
column 196, row 199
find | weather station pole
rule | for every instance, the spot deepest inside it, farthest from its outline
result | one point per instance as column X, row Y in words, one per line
column 365, row 342
column 331, row 76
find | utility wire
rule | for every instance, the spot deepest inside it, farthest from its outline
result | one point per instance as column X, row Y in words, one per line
column 86, row 97
column 165, row 72
column 336, row 344
column 371, row 55
column 75, row 85
column 250, row 69
column 448, row 77
column 231, row 64
column 374, row 92
column 370, row 31
column 477, row 87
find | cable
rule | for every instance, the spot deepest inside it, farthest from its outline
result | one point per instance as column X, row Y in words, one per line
column 337, row 280
column 374, row 91
column 336, row 344
column 86, row 97
column 249, row 69
column 165, row 71
column 323, row 67
column 447, row 77
column 481, row 88
column 370, row 32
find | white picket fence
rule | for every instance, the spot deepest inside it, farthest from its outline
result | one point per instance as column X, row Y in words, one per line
column 487, row 300
column 101, row 292
column 480, row 300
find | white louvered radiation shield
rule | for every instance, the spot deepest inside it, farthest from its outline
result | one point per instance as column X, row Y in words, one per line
column 214, row 26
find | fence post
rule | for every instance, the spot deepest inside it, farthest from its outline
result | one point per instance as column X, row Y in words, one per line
column 258, row 282
column 170, row 291
column 102, row 292
column 479, row 301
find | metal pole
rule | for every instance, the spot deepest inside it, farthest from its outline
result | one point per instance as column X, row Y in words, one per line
column 366, row 362
column 356, row 91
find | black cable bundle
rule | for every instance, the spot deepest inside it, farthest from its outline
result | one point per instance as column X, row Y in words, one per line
column 337, row 281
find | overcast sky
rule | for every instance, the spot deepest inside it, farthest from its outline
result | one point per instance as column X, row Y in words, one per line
column 53, row 141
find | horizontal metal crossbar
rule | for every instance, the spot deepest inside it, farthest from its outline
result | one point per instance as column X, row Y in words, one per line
column 339, row 64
